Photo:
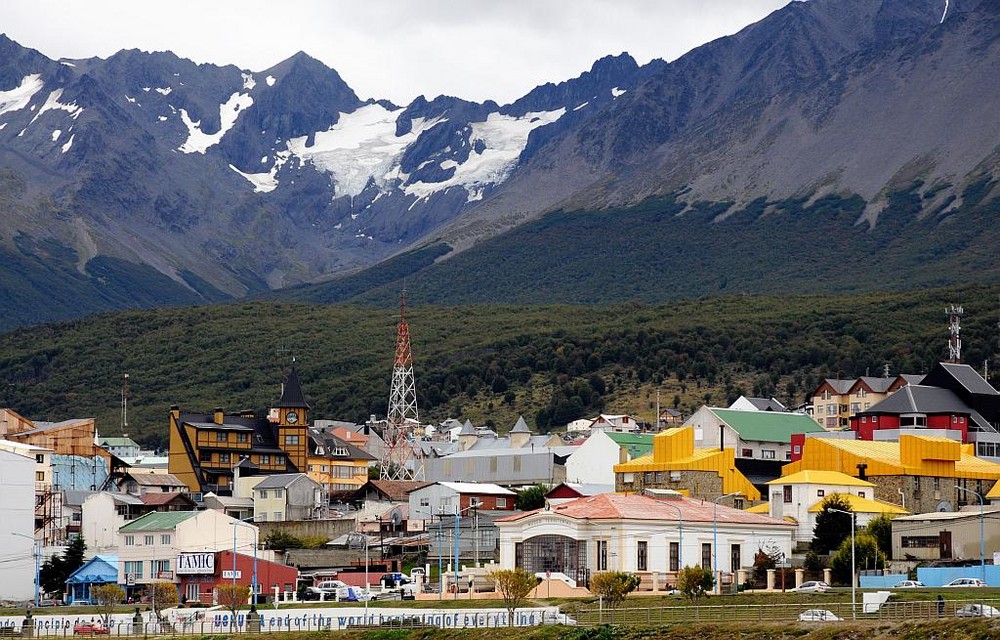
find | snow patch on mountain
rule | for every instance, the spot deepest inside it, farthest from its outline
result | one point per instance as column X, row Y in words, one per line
column 164, row 91
column 198, row 141
column 69, row 143
column 361, row 146
column 248, row 81
column 262, row 182
column 52, row 103
column 615, row 92
column 503, row 139
column 19, row 97
column 270, row 81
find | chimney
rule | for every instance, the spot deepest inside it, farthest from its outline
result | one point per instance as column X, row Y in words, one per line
column 218, row 416
column 861, row 471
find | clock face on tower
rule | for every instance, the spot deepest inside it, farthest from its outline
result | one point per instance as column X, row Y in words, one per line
column 291, row 417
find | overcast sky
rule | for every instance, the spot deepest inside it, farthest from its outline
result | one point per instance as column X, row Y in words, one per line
column 395, row 49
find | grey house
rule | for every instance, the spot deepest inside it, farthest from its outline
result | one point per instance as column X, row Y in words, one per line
column 287, row 496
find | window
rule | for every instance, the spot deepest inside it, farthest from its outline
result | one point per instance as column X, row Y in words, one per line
column 706, row 556
column 861, row 494
column 40, row 458
column 855, row 407
column 165, row 538
column 787, row 491
column 148, row 540
column 501, row 503
column 862, row 392
column 425, row 502
column 159, row 566
column 265, row 459
column 797, row 449
column 937, row 483
column 747, row 453
column 129, row 541
column 323, row 468
column 675, row 554
column 738, row 503
column 263, row 494
column 767, row 454
column 205, row 456
column 820, row 493
column 261, row 518
column 920, row 542
column 279, row 493
column 831, row 409
column 788, row 455
column 641, row 549
column 40, row 476
column 223, row 457
column 221, row 436
column 242, row 438
column 602, row 555
column 340, row 451
column 292, row 440
column 827, row 395
column 278, row 516
column 133, row 568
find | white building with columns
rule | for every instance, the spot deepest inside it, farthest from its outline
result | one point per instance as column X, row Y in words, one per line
column 652, row 537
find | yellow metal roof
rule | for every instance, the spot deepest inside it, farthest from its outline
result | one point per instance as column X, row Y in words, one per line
column 763, row 507
column 814, row 476
column 994, row 493
column 864, row 505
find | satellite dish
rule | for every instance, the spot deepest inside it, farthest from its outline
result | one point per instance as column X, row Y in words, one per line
column 396, row 517
column 944, row 505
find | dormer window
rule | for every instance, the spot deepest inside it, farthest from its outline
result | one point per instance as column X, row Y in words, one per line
column 320, row 451
column 340, row 451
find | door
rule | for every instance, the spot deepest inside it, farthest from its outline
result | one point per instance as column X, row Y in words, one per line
column 945, row 544
column 735, row 560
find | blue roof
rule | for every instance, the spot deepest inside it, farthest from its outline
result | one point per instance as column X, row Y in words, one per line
column 100, row 569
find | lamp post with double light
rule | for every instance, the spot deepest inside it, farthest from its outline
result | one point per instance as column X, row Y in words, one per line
column 982, row 533
column 253, row 580
column 854, row 581
column 715, row 538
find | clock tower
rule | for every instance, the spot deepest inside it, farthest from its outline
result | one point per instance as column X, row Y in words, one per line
column 293, row 423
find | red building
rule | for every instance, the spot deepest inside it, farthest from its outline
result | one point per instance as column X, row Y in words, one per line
column 199, row 579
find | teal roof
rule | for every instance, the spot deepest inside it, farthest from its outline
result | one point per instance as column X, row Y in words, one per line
column 158, row 521
column 767, row 426
column 637, row 444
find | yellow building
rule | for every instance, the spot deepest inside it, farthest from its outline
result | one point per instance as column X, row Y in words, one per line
column 676, row 464
column 336, row 464
column 919, row 473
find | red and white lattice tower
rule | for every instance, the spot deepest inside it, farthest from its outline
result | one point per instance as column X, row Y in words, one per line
column 402, row 406
column 954, row 314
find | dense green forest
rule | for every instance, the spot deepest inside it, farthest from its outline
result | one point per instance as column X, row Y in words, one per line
column 487, row 363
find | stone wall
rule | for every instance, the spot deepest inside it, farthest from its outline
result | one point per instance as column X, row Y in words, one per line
column 329, row 529
column 706, row 485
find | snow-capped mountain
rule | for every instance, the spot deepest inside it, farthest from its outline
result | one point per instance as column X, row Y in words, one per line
column 146, row 179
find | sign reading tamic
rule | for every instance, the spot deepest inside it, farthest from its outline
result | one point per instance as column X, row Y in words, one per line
column 202, row 562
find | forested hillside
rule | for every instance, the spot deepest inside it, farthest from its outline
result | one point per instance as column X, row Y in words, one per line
column 551, row 364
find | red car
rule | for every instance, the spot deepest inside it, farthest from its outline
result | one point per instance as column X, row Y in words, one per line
column 89, row 629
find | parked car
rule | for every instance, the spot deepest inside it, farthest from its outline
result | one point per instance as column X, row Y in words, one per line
column 89, row 629
column 966, row 582
column 392, row 580
column 815, row 586
column 907, row 584
column 818, row 615
column 977, row 611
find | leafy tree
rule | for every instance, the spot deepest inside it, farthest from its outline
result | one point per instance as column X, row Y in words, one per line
column 530, row 498
column 163, row 595
column 866, row 554
column 282, row 540
column 881, row 529
column 106, row 597
column 764, row 560
column 513, row 585
column 232, row 597
column 831, row 527
column 613, row 586
column 695, row 582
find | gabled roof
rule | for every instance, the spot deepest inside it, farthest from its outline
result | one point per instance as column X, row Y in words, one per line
column 291, row 393
column 921, row 399
column 158, row 521
column 99, row 569
column 581, row 489
column 330, row 442
column 863, row 505
column 479, row 488
column 964, row 375
column 616, row 506
column 155, row 479
column 840, row 386
column 830, row 478
column 467, row 429
column 280, row 481
column 397, row 490
column 767, row 426
column 637, row 444
column 117, row 442
column 156, row 499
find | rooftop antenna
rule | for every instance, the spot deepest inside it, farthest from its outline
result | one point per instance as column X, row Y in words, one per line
column 954, row 314
column 885, row 370
column 125, row 407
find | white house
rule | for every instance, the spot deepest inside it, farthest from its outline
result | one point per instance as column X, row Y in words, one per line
column 593, row 462
column 102, row 514
column 799, row 497
column 17, row 503
column 651, row 537
column 438, row 498
column 148, row 546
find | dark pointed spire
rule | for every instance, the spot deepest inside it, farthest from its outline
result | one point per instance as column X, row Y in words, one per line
column 291, row 393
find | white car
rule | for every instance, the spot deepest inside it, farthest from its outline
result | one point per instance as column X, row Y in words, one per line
column 818, row 615
column 908, row 584
column 977, row 611
column 815, row 586
column 966, row 582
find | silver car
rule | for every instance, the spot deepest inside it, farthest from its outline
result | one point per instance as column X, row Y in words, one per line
column 818, row 615
column 977, row 611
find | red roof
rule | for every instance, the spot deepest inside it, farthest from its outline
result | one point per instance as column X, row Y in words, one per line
column 617, row 506
column 156, row 499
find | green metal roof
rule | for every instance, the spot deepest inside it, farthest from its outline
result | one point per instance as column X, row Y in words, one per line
column 158, row 521
column 637, row 444
column 767, row 426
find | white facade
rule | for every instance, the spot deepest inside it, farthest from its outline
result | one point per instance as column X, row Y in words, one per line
column 594, row 461
column 17, row 503
column 203, row 531
column 444, row 497
column 100, row 521
column 41, row 456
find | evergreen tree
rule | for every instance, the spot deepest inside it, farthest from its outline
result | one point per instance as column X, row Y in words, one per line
column 531, row 498
column 832, row 527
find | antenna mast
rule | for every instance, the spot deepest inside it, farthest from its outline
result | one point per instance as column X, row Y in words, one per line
column 402, row 405
column 125, row 407
column 954, row 314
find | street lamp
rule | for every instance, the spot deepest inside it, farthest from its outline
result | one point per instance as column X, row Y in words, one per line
column 37, row 553
column 982, row 536
column 253, row 579
column 715, row 538
column 854, row 585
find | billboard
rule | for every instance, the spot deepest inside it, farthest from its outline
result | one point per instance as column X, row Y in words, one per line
column 198, row 563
